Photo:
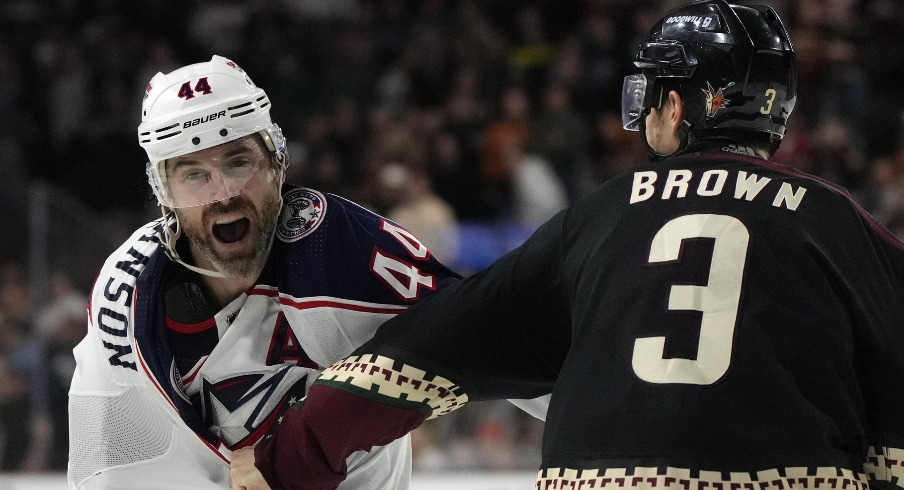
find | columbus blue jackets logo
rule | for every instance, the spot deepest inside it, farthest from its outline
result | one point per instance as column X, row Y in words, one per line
column 302, row 213
column 242, row 409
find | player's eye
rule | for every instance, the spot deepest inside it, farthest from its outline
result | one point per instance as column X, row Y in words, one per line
column 195, row 177
column 239, row 167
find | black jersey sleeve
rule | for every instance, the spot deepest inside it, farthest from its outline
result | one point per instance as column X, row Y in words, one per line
column 501, row 333
column 496, row 334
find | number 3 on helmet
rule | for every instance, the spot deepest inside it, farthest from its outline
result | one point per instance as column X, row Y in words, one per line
column 734, row 67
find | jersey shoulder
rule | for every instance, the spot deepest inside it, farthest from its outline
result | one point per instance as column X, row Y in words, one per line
column 313, row 223
column 327, row 245
column 314, row 215
column 129, row 259
column 303, row 211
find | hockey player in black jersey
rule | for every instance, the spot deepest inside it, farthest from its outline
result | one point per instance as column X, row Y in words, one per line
column 714, row 320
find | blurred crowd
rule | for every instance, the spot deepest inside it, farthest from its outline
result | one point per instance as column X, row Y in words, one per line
column 439, row 114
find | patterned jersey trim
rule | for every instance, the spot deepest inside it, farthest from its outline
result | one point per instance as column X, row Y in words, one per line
column 885, row 465
column 681, row 479
column 393, row 382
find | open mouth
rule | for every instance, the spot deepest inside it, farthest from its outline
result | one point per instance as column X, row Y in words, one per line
column 231, row 232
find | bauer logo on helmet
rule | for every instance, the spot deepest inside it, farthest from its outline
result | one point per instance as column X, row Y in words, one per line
column 202, row 120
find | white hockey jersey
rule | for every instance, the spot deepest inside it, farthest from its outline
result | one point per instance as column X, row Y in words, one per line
column 335, row 273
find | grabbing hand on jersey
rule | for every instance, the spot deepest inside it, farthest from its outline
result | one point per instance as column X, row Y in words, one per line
column 243, row 475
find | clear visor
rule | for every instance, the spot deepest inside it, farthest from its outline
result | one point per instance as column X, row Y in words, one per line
column 634, row 92
column 180, row 183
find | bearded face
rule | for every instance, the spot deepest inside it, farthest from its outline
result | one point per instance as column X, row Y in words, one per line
column 234, row 235
column 231, row 235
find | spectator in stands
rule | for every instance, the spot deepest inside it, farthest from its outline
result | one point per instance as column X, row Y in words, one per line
column 561, row 135
column 59, row 327
column 26, row 427
column 506, row 133
column 417, row 208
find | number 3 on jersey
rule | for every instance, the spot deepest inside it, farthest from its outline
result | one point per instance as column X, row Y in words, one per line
column 718, row 300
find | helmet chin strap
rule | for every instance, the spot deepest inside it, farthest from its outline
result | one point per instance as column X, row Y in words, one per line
column 172, row 231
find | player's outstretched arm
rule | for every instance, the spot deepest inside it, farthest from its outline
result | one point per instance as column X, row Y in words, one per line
column 310, row 448
column 501, row 333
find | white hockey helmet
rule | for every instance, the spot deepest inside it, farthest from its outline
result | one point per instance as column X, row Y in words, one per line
column 197, row 107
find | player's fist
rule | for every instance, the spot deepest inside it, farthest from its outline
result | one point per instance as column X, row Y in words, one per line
column 243, row 474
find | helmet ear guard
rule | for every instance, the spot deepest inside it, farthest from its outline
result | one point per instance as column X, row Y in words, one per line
column 734, row 67
column 275, row 141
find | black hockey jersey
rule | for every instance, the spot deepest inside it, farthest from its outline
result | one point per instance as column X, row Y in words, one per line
column 714, row 320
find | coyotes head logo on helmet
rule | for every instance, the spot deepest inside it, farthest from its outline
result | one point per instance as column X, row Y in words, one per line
column 734, row 67
column 715, row 99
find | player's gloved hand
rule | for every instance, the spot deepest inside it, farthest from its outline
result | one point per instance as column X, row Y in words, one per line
column 243, row 474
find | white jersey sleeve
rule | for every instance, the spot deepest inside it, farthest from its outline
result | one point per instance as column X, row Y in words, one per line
column 123, row 432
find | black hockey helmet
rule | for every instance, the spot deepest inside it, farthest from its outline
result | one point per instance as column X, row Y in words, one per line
column 734, row 67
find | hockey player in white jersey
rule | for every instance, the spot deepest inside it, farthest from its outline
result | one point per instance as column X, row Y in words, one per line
column 208, row 323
